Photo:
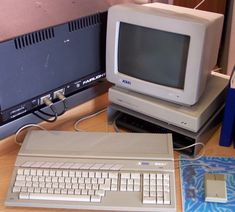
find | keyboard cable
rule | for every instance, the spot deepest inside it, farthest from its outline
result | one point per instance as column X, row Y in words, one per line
column 25, row 127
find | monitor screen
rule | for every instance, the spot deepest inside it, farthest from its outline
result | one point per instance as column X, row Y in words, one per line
column 144, row 53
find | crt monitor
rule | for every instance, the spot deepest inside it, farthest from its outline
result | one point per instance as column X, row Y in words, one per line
column 162, row 50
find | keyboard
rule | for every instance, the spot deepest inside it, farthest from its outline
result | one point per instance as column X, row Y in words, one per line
column 97, row 182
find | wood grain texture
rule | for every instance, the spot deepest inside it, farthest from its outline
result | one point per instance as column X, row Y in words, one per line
column 213, row 6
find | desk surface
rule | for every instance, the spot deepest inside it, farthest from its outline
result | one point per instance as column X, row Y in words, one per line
column 9, row 150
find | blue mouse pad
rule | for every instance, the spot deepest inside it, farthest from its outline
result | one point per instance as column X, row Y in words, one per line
column 192, row 182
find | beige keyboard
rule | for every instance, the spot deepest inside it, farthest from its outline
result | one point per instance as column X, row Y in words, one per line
column 91, row 184
column 94, row 171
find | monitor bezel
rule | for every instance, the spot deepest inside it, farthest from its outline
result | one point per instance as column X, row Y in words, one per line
column 191, row 26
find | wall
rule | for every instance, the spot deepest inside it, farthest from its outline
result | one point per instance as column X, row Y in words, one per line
column 227, row 51
column 231, row 51
column 25, row 16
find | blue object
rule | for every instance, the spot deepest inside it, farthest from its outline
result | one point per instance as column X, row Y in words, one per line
column 228, row 123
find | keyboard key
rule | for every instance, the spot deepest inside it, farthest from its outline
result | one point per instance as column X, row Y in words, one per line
column 106, row 166
column 16, row 189
column 66, row 165
column 20, row 178
column 114, row 187
column 116, row 167
column 167, row 198
column 27, row 172
column 149, row 200
column 20, row 183
column 100, row 192
column 95, row 198
column 58, row 197
column 23, row 195
column 46, row 165
column 123, row 187
column 20, row 171
column 96, row 166
column 137, row 187
column 125, row 175
column 159, row 200
column 86, row 166
column 113, row 175
column 76, row 166
column 135, row 175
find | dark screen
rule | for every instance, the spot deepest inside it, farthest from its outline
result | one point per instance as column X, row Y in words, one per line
column 153, row 55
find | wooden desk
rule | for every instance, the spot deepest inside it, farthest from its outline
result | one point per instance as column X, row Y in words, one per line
column 9, row 150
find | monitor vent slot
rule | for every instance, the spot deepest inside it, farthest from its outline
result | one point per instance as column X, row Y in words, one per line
column 84, row 22
column 33, row 38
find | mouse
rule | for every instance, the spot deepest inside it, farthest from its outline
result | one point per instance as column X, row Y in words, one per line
column 215, row 188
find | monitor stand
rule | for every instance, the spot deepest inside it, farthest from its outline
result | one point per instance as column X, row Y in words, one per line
column 133, row 121
column 191, row 118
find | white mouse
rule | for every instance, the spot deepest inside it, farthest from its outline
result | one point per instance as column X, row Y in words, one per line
column 215, row 188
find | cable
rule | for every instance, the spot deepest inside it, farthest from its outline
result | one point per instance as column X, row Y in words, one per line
column 64, row 101
column 25, row 127
column 116, row 128
column 87, row 117
column 55, row 115
column 190, row 159
column 199, row 4
column 189, row 146
column 216, row 70
column 49, row 103
column 194, row 158
column 60, row 96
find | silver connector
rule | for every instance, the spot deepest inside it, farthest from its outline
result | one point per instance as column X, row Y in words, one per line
column 60, row 95
column 47, row 101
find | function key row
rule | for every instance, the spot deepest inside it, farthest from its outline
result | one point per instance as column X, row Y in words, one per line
column 68, row 165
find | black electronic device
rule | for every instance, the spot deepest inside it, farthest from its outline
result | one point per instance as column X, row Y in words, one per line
column 69, row 58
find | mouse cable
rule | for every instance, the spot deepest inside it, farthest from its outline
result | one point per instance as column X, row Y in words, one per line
column 188, row 158
column 189, row 146
column 76, row 128
column 198, row 156
column 25, row 127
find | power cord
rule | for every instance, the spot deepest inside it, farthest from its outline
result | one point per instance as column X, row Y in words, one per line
column 199, row 4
